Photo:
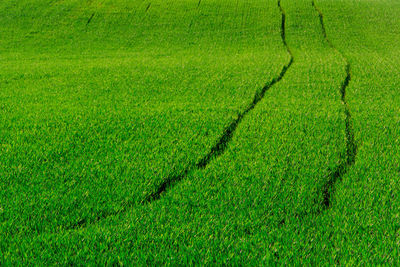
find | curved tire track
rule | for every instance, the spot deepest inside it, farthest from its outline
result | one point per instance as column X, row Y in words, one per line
column 219, row 148
column 349, row 159
column 90, row 18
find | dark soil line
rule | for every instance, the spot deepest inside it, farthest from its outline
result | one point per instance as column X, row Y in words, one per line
column 336, row 175
column 219, row 148
column 90, row 19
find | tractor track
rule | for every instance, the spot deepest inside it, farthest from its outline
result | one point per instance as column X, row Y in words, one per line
column 90, row 18
column 192, row 21
column 93, row 14
column 217, row 150
column 328, row 189
column 148, row 7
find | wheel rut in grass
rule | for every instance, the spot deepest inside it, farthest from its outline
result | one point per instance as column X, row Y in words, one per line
column 349, row 158
column 192, row 21
column 90, row 18
column 148, row 7
column 219, row 148
column 93, row 14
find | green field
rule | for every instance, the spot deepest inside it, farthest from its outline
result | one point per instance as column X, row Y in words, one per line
column 207, row 132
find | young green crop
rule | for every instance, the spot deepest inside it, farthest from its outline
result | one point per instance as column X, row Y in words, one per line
column 95, row 116
column 363, row 224
column 270, row 177
column 101, row 102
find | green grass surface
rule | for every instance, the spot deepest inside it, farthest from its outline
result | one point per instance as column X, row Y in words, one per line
column 88, row 132
column 105, row 103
